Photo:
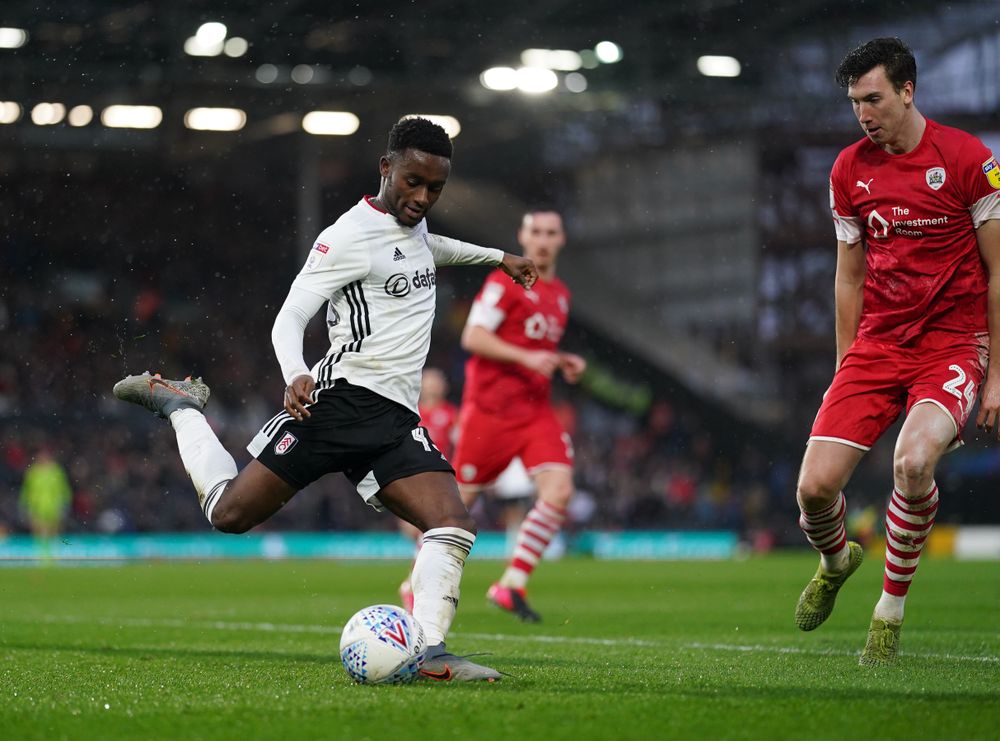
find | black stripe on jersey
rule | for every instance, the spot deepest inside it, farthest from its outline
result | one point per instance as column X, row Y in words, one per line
column 360, row 321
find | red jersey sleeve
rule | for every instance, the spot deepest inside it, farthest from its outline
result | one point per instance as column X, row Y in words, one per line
column 979, row 181
column 846, row 220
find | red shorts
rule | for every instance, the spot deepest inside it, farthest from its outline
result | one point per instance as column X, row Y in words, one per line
column 876, row 382
column 487, row 443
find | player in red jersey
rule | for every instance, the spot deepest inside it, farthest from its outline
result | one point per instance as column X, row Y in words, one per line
column 506, row 408
column 916, row 207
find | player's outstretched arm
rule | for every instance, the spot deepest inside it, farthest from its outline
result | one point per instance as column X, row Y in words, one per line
column 481, row 341
column 988, row 236
column 521, row 269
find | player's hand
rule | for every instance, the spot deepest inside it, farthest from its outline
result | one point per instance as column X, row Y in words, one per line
column 541, row 361
column 989, row 407
column 297, row 395
column 572, row 366
column 521, row 269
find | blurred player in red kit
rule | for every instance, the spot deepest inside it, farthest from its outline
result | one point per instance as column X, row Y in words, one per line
column 437, row 414
column 506, row 406
column 916, row 208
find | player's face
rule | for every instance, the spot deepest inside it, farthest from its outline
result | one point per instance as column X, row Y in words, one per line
column 433, row 386
column 412, row 181
column 880, row 108
column 542, row 237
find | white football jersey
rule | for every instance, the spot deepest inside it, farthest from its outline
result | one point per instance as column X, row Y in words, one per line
column 379, row 278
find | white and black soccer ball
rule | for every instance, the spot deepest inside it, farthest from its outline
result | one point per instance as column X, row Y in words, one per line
column 382, row 644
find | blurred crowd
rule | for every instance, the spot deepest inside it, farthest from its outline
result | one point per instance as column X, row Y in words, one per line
column 180, row 275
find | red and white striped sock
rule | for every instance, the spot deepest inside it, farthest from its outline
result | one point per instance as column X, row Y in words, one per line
column 538, row 529
column 825, row 532
column 908, row 522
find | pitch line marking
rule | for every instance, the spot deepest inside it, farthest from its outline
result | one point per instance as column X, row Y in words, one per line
column 759, row 648
column 268, row 627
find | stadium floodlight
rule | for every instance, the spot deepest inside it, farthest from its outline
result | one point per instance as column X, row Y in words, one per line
column 575, row 82
column 211, row 33
column 303, row 74
column 450, row 124
column 330, row 123
column 208, row 41
column 132, row 116
column 499, row 78
column 267, row 73
column 608, row 52
column 564, row 60
column 47, row 114
column 719, row 66
column 80, row 115
column 535, row 80
column 10, row 111
column 215, row 119
column 235, row 47
column 12, row 38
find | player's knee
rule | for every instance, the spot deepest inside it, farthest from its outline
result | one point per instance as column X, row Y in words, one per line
column 456, row 519
column 813, row 493
column 228, row 518
column 912, row 469
column 558, row 495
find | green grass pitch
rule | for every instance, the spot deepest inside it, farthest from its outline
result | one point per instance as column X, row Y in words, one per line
column 686, row 650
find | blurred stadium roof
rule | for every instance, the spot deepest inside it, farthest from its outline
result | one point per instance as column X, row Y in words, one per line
column 380, row 60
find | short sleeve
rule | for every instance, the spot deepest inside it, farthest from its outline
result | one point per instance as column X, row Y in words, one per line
column 846, row 221
column 980, row 182
column 491, row 305
column 336, row 259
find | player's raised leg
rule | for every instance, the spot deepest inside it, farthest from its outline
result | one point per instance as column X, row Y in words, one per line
column 826, row 468
column 542, row 523
column 430, row 501
column 232, row 501
column 924, row 438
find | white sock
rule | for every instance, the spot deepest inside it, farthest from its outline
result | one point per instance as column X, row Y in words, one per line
column 836, row 563
column 437, row 574
column 207, row 463
column 890, row 607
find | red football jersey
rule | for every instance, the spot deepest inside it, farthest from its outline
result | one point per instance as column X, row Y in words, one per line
column 534, row 319
column 440, row 423
column 917, row 214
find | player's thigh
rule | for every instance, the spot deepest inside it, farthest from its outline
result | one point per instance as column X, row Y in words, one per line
column 927, row 434
column 469, row 493
column 251, row 498
column 826, row 468
column 866, row 396
column 947, row 379
column 427, row 500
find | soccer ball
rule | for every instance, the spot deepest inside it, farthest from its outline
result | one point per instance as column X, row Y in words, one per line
column 382, row 644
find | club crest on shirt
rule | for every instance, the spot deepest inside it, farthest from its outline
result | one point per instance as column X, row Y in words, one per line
column 991, row 169
column 935, row 177
column 286, row 443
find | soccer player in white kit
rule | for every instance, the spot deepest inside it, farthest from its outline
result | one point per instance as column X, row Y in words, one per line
column 355, row 410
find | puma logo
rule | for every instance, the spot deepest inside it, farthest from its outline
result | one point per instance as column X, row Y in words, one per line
column 866, row 186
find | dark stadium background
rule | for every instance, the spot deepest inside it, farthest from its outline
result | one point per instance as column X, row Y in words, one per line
column 700, row 252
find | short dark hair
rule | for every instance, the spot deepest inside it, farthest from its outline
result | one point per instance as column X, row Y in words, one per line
column 890, row 52
column 541, row 208
column 419, row 133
